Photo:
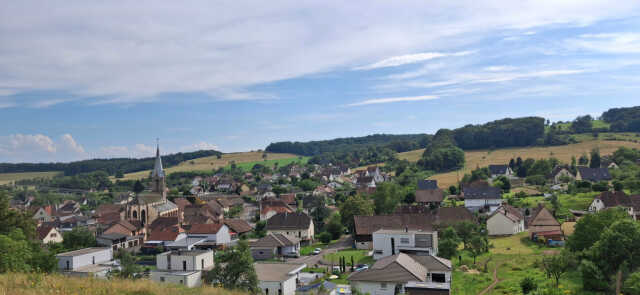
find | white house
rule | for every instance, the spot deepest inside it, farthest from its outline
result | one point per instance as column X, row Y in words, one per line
column 87, row 262
column 500, row 170
column 395, row 274
column 44, row 214
column 215, row 233
column 483, row 198
column 278, row 278
column 182, row 267
column 275, row 245
column 298, row 225
column 389, row 242
column 616, row 199
column 506, row 220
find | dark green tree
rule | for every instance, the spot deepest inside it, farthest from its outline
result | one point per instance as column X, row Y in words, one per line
column 595, row 158
column 234, row 270
column 78, row 238
column 354, row 206
column 138, row 187
column 335, row 227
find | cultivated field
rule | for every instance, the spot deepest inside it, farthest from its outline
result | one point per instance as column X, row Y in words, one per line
column 32, row 284
column 6, row 178
column 482, row 158
column 212, row 162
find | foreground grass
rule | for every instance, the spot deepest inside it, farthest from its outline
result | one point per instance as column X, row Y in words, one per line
column 515, row 257
column 29, row 284
column 483, row 158
column 7, row 178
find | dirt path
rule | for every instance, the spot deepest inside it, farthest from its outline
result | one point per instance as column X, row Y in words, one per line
column 495, row 281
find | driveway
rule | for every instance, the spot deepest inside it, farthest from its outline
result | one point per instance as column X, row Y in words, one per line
column 345, row 242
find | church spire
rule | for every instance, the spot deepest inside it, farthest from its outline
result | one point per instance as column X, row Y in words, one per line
column 158, row 172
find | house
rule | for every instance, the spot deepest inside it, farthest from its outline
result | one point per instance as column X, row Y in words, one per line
column 216, row 234
column 278, row 278
column 399, row 273
column 543, row 223
column 44, row 214
column 616, row 199
column 593, row 174
column 182, row 267
column 289, row 199
column 366, row 184
column 389, row 242
column 298, row 225
column 482, row 198
column 500, row 170
column 425, row 220
column 161, row 238
column 119, row 241
column 560, row 174
column 271, row 206
column 506, row 220
column 165, row 223
column 126, row 227
column 429, row 197
column 68, row 207
column 374, row 172
column 96, row 262
column 275, row 245
column 49, row 234
column 425, row 184
column 238, row 227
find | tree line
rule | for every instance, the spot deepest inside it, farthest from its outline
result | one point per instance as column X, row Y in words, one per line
column 110, row 166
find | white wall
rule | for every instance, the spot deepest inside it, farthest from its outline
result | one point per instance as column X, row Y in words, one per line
column 499, row 224
column 79, row 261
column 194, row 262
column 288, row 287
column 191, row 280
column 373, row 288
column 383, row 242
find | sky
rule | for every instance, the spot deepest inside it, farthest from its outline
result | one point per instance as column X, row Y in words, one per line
column 99, row 79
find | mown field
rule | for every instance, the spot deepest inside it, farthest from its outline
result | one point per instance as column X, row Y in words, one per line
column 6, row 178
column 514, row 257
column 482, row 158
column 39, row 284
column 211, row 163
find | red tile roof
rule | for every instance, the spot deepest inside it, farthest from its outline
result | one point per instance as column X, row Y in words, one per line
column 163, row 235
column 208, row 229
column 43, row 231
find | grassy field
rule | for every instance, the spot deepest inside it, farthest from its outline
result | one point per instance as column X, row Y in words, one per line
column 270, row 163
column 597, row 124
column 482, row 158
column 6, row 178
column 211, row 163
column 32, row 284
column 514, row 257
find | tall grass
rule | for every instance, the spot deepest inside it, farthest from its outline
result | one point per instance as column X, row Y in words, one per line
column 32, row 284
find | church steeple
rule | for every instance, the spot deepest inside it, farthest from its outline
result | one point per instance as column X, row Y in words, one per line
column 157, row 175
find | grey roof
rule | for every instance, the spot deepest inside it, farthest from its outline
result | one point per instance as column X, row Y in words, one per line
column 498, row 169
column 286, row 220
column 82, row 251
column 276, row 272
column 327, row 286
column 427, row 184
column 168, row 206
column 157, row 167
column 486, row 192
column 274, row 240
column 433, row 263
column 594, row 174
column 114, row 236
column 397, row 268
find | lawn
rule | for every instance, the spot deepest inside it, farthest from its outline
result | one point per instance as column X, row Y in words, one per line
column 483, row 158
column 359, row 257
column 212, row 162
column 271, row 163
column 516, row 257
column 6, row 178
column 306, row 250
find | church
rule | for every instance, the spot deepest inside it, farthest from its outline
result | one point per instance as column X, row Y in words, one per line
column 150, row 205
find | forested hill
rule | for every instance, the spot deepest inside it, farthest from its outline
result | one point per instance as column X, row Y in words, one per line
column 111, row 166
column 623, row 119
column 398, row 143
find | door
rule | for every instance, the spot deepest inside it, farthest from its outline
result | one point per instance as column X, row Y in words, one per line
column 393, row 246
column 184, row 265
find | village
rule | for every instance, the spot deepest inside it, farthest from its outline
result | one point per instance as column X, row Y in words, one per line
column 330, row 239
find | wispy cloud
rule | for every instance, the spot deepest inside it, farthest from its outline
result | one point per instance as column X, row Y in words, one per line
column 409, row 59
column 607, row 42
column 392, row 100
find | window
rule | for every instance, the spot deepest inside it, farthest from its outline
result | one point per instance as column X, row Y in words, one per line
column 162, row 279
column 202, row 262
column 184, row 265
column 279, row 291
column 383, row 286
column 404, row 240
column 266, row 291
column 180, row 281
column 53, row 235
column 378, row 252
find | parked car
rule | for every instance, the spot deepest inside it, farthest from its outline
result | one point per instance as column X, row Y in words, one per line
column 316, row 251
column 292, row 254
column 361, row 267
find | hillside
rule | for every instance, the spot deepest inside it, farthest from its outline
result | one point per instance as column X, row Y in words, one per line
column 6, row 178
column 482, row 158
column 29, row 284
column 212, row 162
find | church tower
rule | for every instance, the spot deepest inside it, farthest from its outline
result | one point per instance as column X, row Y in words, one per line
column 157, row 175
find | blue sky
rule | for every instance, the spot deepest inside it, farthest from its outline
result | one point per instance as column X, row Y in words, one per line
column 104, row 79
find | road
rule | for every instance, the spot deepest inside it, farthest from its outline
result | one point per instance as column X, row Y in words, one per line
column 344, row 243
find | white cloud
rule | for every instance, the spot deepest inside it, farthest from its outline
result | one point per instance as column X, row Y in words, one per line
column 499, row 68
column 392, row 100
column 132, row 52
column 200, row 146
column 40, row 148
column 616, row 43
column 409, row 59
column 138, row 150
column 49, row 102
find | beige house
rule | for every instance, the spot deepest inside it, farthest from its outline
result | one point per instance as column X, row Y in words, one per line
column 506, row 220
column 542, row 221
column 561, row 173
column 49, row 234
column 298, row 225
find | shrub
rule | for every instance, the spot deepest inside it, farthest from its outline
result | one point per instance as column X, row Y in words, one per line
column 324, row 237
column 527, row 284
